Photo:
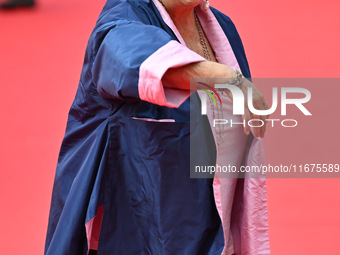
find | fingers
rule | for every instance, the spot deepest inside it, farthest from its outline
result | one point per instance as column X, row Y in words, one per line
column 256, row 125
column 257, row 122
column 263, row 128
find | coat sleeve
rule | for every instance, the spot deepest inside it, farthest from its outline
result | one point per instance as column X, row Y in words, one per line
column 132, row 60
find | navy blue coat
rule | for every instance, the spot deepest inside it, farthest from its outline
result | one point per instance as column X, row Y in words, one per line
column 138, row 171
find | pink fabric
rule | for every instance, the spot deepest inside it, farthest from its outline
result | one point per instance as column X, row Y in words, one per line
column 249, row 220
column 150, row 86
column 154, row 120
column 217, row 195
column 93, row 229
column 257, row 224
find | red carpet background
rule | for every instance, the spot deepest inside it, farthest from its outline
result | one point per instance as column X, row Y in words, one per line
column 41, row 54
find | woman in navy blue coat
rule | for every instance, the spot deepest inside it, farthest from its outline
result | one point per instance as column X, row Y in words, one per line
column 123, row 183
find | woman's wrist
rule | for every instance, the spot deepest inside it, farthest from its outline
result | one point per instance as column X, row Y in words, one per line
column 220, row 71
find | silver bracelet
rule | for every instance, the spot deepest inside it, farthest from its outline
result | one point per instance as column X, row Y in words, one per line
column 238, row 80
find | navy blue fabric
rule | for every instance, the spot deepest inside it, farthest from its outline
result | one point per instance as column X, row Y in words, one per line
column 138, row 170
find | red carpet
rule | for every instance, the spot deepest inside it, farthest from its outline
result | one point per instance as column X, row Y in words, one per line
column 41, row 53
